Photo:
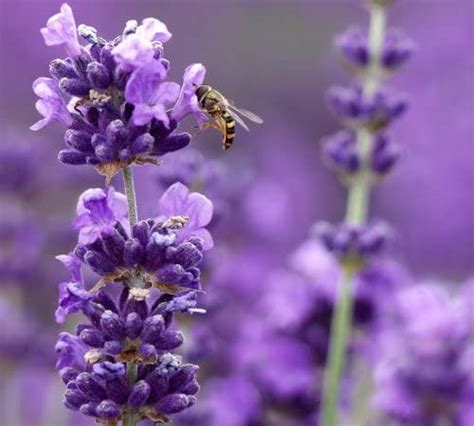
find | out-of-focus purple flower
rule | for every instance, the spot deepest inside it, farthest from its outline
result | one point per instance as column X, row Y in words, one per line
column 150, row 95
column 424, row 375
column 17, row 335
column 98, row 211
column 375, row 112
column 341, row 152
column 51, row 104
column 240, row 407
column 347, row 240
column 187, row 102
column 61, row 30
column 179, row 201
column 385, row 154
column 138, row 49
column 396, row 50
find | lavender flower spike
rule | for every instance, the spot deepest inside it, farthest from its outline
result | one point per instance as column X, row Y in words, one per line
column 61, row 30
column 97, row 212
column 51, row 104
column 178, row 201
column 188, row 102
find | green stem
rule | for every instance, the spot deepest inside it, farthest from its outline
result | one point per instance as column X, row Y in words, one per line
column 130, row 417
column 340, row 327
column 130, row 192
column 358, row 202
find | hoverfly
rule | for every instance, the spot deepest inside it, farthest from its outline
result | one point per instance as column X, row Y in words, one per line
column 223, row 113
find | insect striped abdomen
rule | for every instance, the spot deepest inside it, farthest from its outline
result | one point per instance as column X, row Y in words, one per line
column 229, row 129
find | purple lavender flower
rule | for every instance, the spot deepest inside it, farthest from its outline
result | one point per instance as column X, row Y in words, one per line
column 341, row 153
column 150, row 95
column 97, row 212
column 61, row 30
column 138, row 48
column 132, row 330
column 375, row 112
column 396, row 50
column 72, row 294
column 424, row 375
column 347, row 240
column 178, row 201
column 187, row 102
column 121, row 106
column 51, row 105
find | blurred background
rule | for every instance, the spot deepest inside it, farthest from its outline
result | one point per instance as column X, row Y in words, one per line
column 276, row 58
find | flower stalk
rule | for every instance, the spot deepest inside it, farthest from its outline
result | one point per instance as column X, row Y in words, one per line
column 132, row 368
column 358, row 203
column 129, row 185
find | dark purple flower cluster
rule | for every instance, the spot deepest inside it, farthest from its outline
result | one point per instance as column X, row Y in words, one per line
column 341, row 154
column 424, row 372
column 396, row 50
column 353, row 241
column 163, row 253
column 121, row 108
column 102, row 390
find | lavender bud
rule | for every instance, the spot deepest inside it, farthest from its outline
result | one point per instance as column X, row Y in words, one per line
column 107, row 59
column 113, row 347
column 186, row 255
column 107, row 410
column 71, row 157
column 89, row 409
column 117, row 134
column 68, row 374
column 140, row 393
column 98, row 75
column 182, row 377
column 142, row 144
column 341, row 152
column 92, row 338
column 114, row 246
column 112, row 325
column 99, row 263
column 170, row 340
column 147, row 350
column 60, row 68
column 384, row 155
column 74, row 87
column 133, row 325
column 174, row 403
column 74, row 398
column 133, row 254
column 91, row 388
column 141, row 231
column 78, row 140
column 152, row 329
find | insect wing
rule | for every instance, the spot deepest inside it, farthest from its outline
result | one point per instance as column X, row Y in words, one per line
column 238, row 119
column 247, row 114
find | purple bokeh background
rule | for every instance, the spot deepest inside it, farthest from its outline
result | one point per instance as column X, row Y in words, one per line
column 276, row 58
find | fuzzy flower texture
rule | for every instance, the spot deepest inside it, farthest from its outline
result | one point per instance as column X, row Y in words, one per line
column 113, row 96
column 158, row 263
